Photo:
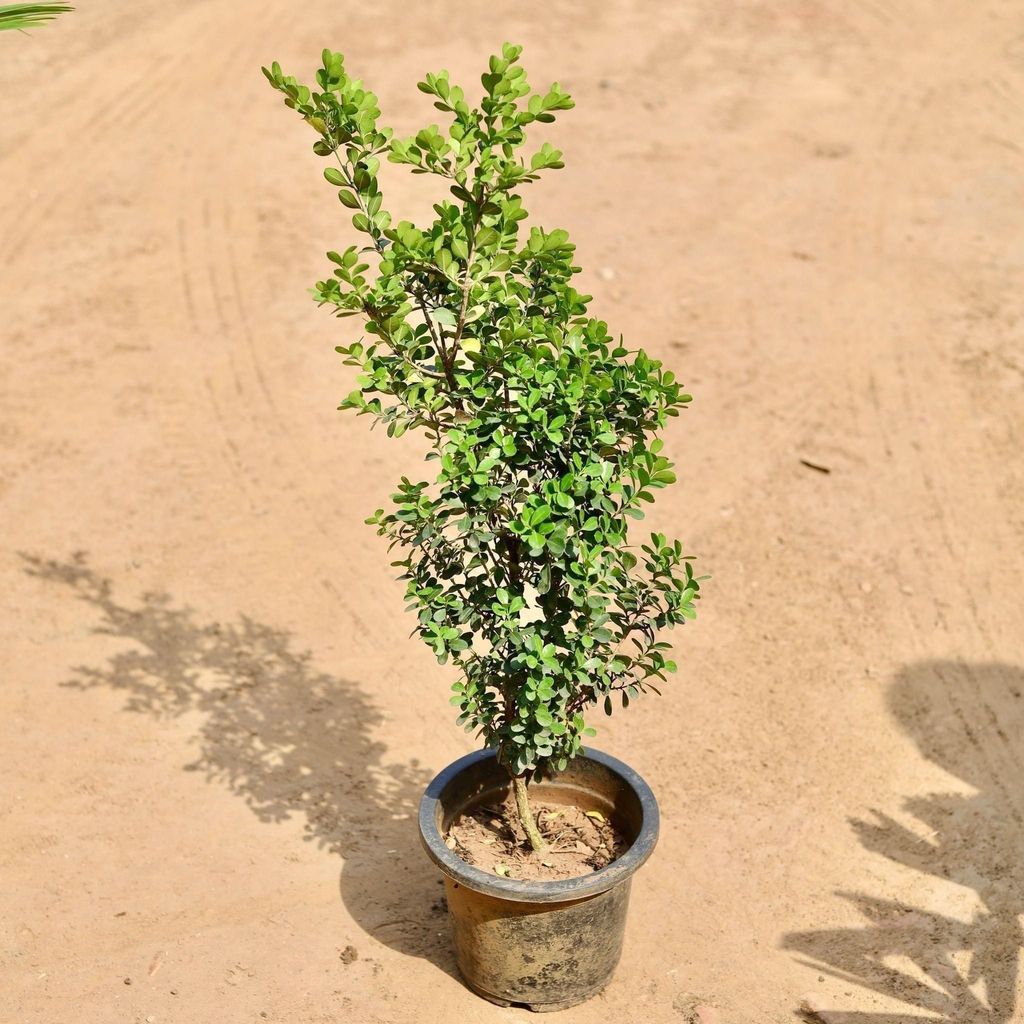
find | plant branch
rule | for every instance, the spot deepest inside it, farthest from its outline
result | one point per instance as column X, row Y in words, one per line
column 363, row 209
column 438, row 338
column 525, row 813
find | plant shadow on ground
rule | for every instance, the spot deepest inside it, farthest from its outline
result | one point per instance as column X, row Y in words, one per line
column 969, row 720
column 287, row 738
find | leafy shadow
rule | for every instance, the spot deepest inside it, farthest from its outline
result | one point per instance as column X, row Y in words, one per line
column 968, row 719
column 287, row 738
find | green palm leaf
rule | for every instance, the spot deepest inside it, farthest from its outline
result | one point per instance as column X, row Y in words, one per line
column 22, row 16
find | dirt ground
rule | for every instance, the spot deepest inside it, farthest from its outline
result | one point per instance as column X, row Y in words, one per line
column 215, row 725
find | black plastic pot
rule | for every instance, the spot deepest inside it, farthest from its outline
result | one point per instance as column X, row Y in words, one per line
column 542, row 945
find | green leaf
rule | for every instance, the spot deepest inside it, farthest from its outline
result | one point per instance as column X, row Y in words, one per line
column 23, row 16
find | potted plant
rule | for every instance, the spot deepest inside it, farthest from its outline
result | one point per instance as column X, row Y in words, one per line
column 540, row 430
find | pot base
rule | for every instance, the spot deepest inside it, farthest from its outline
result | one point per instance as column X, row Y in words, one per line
column 532, row 1007
column 544, row 956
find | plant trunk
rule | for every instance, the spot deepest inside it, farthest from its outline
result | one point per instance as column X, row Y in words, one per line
column 526, row 818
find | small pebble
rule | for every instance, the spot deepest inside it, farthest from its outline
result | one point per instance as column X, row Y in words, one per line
column 866, row 587
column 150, row 1019
column 607, row 274
column 349, row 955
column 127, row 981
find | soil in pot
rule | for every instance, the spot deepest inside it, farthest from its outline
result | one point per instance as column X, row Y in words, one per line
column 579, row 842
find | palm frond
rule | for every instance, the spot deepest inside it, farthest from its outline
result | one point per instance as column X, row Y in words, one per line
column 22, row 16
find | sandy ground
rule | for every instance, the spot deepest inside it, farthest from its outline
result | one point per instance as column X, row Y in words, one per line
column 215, row 724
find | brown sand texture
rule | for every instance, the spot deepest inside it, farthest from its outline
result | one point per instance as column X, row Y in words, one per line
column 216, row 727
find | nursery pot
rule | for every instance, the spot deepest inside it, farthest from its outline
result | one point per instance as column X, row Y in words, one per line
column 541, row 945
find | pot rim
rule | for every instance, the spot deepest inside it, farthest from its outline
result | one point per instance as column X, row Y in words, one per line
column 562, row 890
